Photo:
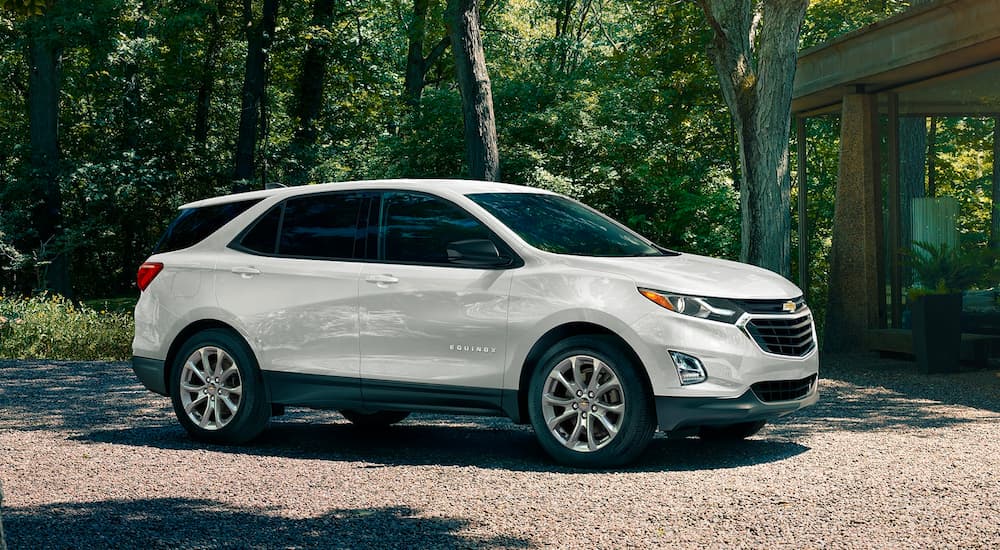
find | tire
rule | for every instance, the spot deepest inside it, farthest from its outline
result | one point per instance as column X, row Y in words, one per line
column 208, row 368
column 730, row 432
column 377, row 419
column 620, row 399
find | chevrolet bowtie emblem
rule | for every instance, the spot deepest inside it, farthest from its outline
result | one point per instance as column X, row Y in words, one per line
column 788, row 307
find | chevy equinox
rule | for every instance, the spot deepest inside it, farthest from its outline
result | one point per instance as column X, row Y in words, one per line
column 380, row 298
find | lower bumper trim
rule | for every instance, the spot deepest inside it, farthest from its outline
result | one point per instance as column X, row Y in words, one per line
column 684, row 412
column 150, row 373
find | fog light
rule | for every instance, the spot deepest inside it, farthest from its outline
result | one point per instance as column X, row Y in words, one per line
column 689, row 368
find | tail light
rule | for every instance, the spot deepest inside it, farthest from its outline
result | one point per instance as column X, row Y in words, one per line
column 147, row 272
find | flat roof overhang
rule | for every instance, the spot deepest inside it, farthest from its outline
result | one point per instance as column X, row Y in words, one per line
column 941, row 59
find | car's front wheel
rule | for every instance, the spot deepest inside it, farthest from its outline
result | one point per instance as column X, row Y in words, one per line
column 589, row 405
column 217, row 389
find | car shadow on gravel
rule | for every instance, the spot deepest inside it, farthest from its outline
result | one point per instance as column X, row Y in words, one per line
column 866, row 393
column 192, row 523
column 501, row 447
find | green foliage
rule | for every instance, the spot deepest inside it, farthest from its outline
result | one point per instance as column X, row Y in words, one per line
column 51, row 327
column 621, row 110
column 941, row 269
column 25, row 7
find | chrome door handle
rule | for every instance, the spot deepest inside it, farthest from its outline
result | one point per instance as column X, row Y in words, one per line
column 246, row 272
column 381, row 280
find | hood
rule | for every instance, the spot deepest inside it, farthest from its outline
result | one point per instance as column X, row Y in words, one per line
column 699, row 276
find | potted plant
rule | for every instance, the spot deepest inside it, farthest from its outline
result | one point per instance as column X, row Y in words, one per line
column 943, row 273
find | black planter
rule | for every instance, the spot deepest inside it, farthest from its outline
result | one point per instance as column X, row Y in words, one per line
column 937, row 332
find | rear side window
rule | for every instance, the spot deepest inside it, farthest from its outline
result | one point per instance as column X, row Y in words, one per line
column 321, row 226
column 193, row 225
column 417, row 228
column 263, row 236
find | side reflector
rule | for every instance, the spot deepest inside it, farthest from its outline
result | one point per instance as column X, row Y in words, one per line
column 147, row 272
column 657, row 299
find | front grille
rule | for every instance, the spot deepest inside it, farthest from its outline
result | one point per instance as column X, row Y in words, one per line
column 783, row 390
column 783, row 336
column 769, row 306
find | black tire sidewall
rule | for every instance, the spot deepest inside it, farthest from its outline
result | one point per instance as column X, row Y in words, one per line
column 638, row 424
column 253, row 413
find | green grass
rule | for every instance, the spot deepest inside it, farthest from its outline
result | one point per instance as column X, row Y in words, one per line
column 52, row 327
column 124, row 304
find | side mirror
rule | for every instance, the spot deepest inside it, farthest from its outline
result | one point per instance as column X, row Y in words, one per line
column 476, row 252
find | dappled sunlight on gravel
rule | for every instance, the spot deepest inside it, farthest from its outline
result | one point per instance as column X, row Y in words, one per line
column 887, row 458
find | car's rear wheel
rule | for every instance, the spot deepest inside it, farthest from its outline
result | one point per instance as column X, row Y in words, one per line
column 589, row 405
column 730, row 432
column 377, row 419
column 217, row 390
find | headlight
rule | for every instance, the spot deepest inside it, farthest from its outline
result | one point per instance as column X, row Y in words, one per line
column 716, row 309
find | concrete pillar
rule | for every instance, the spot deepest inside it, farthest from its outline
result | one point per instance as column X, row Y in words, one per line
column 853, row 305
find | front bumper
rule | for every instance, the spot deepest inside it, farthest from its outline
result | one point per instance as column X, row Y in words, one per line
column 673, row 413
column 150, row 373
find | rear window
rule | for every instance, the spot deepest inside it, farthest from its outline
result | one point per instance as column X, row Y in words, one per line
column 193, row 225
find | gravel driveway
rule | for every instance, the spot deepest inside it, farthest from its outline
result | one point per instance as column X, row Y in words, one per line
column 88, row 459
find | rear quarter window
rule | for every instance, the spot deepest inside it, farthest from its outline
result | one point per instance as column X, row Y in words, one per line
column 194, row 225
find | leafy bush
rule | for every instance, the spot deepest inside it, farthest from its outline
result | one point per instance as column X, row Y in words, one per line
column 945, row 270
column 52, row 327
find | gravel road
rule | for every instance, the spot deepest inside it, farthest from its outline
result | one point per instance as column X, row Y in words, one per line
column 88, row 459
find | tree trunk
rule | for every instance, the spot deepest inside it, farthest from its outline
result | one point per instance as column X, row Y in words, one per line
column 259, row 37
column 912, row 152
column 132, row 97
column 474, row 83
column 754, row 53
column 932, row 158
column 312, row 78
column 416, row 64
column 206, row 84
column 45, row 60
column 995, row 196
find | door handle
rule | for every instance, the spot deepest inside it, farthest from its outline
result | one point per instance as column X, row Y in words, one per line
column 381, row 280
column 246, row 271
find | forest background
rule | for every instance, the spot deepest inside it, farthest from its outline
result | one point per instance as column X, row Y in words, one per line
column 613, row 102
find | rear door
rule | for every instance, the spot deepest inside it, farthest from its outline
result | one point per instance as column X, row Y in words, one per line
column 292, row 279
column 433, row 334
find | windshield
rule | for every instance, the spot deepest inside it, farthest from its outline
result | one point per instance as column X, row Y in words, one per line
column 554, row 223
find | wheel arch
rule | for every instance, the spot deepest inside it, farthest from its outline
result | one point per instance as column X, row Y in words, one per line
column 519, row 411
column 186, row 333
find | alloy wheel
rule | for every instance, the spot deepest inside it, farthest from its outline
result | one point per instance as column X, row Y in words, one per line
column 211, row 388
column 582, row 403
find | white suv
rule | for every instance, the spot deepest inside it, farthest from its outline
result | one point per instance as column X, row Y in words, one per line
column 384, row 297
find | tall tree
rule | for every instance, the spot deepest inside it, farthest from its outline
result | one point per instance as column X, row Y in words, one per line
column 132, row 97
column 309, row 90
column 477, row 94
column 995, row 195
column 44, row 65
column 260, row 34
column 416, row 64
column 206, row 80
column 754, row 51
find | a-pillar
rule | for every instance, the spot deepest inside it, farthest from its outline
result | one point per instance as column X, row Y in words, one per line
column 853, row 304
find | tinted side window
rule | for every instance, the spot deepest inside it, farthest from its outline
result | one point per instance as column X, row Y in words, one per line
column 263, row 236
column 321, row 226
column 193, row 225
column 418, row 228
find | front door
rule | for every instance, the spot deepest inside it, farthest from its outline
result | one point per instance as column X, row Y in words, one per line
column 431, row 332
